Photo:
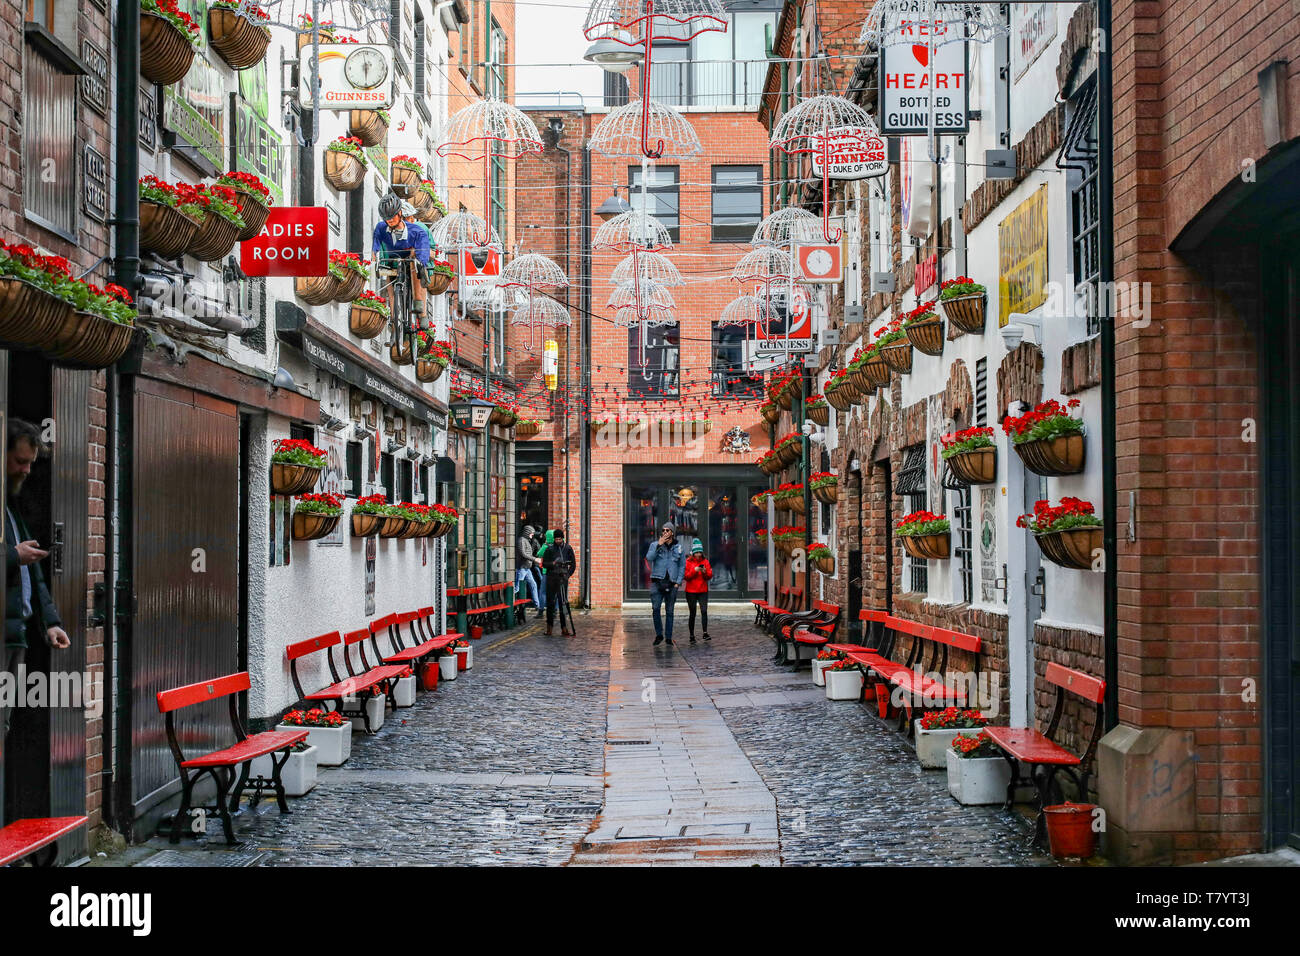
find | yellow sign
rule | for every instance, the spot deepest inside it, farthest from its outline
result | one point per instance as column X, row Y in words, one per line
column 1022, row 257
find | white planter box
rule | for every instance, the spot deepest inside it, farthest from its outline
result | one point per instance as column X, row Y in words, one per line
column 818, row 667
column 931, row 745
column 404, row 692
column 976, row 781
column 469, row 658
column 298, row 773
column 843, row 685
column 447, row 667
column 375, row 708
column 333, row 744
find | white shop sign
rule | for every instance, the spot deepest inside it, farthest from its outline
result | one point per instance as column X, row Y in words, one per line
column 1034, row 26
column 855, row 153
column 905, row 87
column 353, row 76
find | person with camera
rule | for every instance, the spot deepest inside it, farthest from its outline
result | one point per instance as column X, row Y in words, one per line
column 667, row 561
column 559, row 562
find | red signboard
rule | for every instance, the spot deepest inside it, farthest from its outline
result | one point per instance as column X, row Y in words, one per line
column 294, row 242
column 820, row 262
column 855, row 153
column 927, row 271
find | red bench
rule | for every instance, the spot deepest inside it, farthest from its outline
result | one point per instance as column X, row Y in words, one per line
column 787, row 599
column 872, row 617
column 1040, row 752
column 36, row 839
column 928, row 654
column 220, row 764
column 813, row 633
column 348, row 694
column 420, row 647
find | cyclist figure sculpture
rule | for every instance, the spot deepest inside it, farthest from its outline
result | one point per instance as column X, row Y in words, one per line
column 397, row 237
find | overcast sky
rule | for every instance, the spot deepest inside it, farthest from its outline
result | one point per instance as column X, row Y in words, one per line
column 550, row 31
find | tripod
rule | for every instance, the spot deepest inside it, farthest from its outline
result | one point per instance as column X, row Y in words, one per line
column 566, row 612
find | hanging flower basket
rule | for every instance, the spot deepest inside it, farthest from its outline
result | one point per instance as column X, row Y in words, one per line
column 166, row 53
column 926, row 334
column 405, row 174
column 30, row 315
column 215, row 238
column 393, row 527
column 401, row 354
column 898, row 356
column 428, row 370
column 965, row 302
column 876, row 371
column 838, row 396
column 1053, row 457
column 290, row 479
column 350, row 286
column 926, row 546
column 1068, row 534
column 238, row 40
column 315, row 290
column 165, row 230
column 825, row 487
column 364, row 525
column 528, row 429
column 368, row 315
column 826, row 565
column 95, row 342
column 369, row 126
column 440, row 277
column 820, row 414
column 345, row 165
column 978, row 467
column 771, row 414
column 785, row 398
column 308, row 526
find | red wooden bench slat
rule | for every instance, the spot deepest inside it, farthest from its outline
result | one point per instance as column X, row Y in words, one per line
column 254, row 746
column 826, row 608
column 378, row 624
column 413, row 653
column 1076, row 682
column 963, row 642
column 23, row 837
column 874, row 616
column 913, row 628
column 348, row 687
column 352, row 637
column 311, row 645
column 808, row 637
column 1031, row 746
column 425, row 611
column 179, row 697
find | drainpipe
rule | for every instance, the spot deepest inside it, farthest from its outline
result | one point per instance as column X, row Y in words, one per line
column 557, row 130
column 584, row 432
column 1106, row 257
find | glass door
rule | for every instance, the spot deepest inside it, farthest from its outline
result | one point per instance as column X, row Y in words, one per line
column 642, row 531
column 756, row 549
column 723, row 540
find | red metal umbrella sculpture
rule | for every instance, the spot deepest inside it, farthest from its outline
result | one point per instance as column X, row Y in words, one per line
column 642, row 23
column 482, row 130
column 535, row 273
column 808, row 129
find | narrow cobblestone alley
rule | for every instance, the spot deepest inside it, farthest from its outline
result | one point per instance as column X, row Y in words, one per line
column 603, row 749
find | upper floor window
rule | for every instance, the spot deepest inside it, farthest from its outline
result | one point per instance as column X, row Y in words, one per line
column 659, row 377
column 662, row 200
column 729, row 369
column 737, row 202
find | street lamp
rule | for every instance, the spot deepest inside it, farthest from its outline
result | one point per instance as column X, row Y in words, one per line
column 612, row 56
column 472, row 414
column 615, row 205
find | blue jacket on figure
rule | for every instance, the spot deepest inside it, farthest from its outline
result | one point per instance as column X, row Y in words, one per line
column 415, row 240
column 667, row 562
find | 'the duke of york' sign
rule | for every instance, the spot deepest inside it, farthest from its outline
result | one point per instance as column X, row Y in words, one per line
column 855, row 153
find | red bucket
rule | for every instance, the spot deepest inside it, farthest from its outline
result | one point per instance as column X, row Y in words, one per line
column 429, row 675
column 882, row 701
column 475, row 632
column 1069, row 830
column 462, row 659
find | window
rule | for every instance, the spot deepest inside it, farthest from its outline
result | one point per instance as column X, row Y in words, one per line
column 352, row 458
column 419, row 81
column 386, row 478
column 42, row 12
column 49, row 147
column 465, row 57
column 911, row 488
column 737, row 202
column 661, row 200
column 617, row 92
column 404, row 490
column 658, row 379
column 716, row 69
column 1079, row 158
column 495, row 79
column 730, row 370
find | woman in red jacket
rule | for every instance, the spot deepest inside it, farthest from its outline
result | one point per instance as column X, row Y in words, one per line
column 698, row 573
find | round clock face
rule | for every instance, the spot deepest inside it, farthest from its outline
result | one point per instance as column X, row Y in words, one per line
column 820, row 262
column 365, row 68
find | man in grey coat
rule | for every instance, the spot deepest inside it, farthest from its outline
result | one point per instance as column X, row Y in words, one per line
column 525, row 561
column 667, row 560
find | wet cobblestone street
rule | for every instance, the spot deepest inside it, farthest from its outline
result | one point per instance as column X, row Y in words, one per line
column 603, row 749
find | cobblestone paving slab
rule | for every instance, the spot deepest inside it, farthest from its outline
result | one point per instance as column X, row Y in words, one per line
column 848, row 789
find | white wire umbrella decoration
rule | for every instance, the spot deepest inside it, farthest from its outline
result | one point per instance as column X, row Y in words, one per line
column 462, row 230
column 486, row 129
column 931, row 24
column 543, row 312
column 744, row 310
column 533, row 273
column 633, row 231
column 639, row 299
column 807, row 129
column 645, row 304
column 623, row 130
column 787, row 227
column 643, row 23
column 762, row 268
column 647, row 267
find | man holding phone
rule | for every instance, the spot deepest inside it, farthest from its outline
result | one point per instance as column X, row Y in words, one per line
column 29, row 609
column 667, row 562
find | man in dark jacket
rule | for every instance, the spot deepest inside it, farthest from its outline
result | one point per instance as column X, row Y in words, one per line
column 525, row 561
column 30, row 613
column 559, row 562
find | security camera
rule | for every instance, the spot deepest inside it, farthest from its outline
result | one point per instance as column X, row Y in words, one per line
column 1012, row 335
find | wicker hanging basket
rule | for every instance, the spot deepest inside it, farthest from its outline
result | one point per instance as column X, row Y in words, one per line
column 898, row 356
column 966, row 311
column 785, row 398
column 771, row 414
column 412, row 529
column 1053, row 457
column 427, row 370
column 29, row 316
column 404, row 180
column 826, row 565
column 367, row 126
column 820, row 414
column 926, row 335
column 95, row 342
column 290, row 479
column 350, row 286
column 253, row 210
column 527, row 429
column 796, row 504
column 927, row 547
column 828, row 493
column 344, row 171
column 165, row 230
column 215, row 238
column 400, row 354
column 315, row 290
column 310, row 525
column 364, row 322
column 839, row 399
column 364, row 525
column 393, row 527
column 238, row 40
column 978, row 466
column 429, row 215
column 876, row 371
column 439, row 282
column 166, row 53
column 1074, row 548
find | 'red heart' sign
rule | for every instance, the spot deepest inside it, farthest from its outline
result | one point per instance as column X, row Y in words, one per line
column 294, row 242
